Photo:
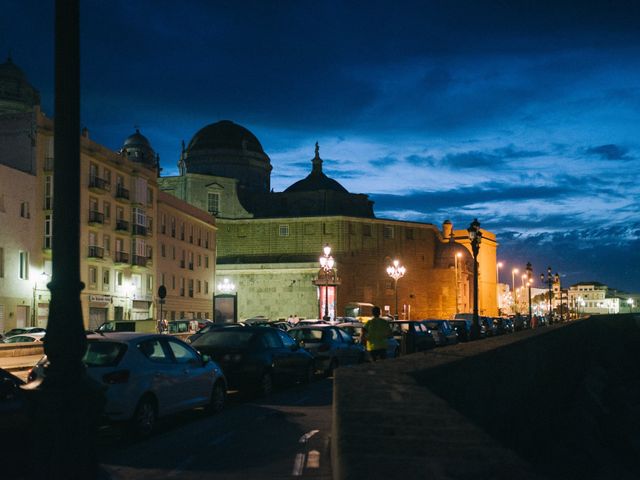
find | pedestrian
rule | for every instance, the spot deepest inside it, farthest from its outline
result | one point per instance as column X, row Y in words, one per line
column 375, row 335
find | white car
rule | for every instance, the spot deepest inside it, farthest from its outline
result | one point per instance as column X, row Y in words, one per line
column 148, row 376
column 25, row 338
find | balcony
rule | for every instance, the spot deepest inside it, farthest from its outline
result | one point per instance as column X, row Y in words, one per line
column 96, row 252
column 122, row 193
column 139, row 230
column 138, row 261
column 121, row 257
column 96, row 217
column 122, row 226
column 48, row 164
column 100, row 184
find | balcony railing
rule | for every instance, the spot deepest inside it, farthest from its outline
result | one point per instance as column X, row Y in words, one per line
column 96, row 252
column 99, row 183
column 96, row 217
column 122, row 192
column 139, row 261
column 138, row 230
column 122, row 225
column 121, row 257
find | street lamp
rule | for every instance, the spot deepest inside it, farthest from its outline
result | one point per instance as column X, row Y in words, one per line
column 475, row 237
column 528, row 275
column 457, row 260
column 549, row 282
column 129, row 290
column 42, row 279
column 326, row 263
column 499, row 265
column 397, row 271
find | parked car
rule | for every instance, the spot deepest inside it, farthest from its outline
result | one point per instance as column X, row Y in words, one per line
column 26, row 338
column 412, row 336
column 505, row 325
column 24, row 330
column 147, row 376
column 257, row 358
column 442, row 331
column 330, row 346
column 355, row 330
column 183, row 325
column 490, row 326
column 462, row 328
column 210, row 327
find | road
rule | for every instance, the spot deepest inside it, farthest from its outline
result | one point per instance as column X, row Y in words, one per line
column 284, row 436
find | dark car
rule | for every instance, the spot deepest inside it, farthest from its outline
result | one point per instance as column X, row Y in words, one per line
column 462, row 328
column 505, row 325
column 442, row 331
column 257, row 358
column 330, row 346
column 412, row 335
column 490, row 326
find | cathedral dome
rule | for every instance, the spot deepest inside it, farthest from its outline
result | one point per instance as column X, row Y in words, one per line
column 226, row 149
column 16, row 93
column 224, row 135
column 445, row 255
column 137, row 149
column 316, row 180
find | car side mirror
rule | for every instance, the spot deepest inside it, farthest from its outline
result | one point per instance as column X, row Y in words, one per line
column 205, row 358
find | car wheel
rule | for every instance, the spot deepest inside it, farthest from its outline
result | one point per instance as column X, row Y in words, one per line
column 266, row 384
column 144, row 418
column 218, row 398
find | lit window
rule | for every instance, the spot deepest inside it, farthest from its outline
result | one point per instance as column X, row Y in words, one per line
column 24, row 265
column 387, row 231
column 213, row 203
column 283, row 230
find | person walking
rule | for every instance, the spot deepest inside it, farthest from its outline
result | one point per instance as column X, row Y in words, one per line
column 375, row 334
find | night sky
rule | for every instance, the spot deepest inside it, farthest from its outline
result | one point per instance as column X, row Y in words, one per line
column 524, row 114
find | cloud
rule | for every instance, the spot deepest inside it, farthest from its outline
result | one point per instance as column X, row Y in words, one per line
column 609, row 152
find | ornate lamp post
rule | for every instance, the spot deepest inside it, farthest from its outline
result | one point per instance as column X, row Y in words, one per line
column 326, row 264
column 397, row 271
column 529, row 274
column 549, row 282
column 475, row 236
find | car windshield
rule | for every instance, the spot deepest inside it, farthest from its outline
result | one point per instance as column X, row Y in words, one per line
column 432, row 325
column 307, row 335
column 103, row 354
column 235, row 338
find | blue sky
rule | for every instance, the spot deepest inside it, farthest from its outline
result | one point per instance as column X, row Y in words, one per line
column 524, row 114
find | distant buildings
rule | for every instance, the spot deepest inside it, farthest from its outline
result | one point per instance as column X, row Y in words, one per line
column 217, row 219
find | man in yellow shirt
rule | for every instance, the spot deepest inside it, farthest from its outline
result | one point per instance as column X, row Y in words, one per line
column 375, row 334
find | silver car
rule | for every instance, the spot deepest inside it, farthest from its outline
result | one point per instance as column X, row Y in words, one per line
column 329, row 345
column 147, row 376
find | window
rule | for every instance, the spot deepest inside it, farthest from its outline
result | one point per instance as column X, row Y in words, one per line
column 119, row 278
column 48, row 231
column 206, row 241
column 199, row 260
column 138, row 217
column 152, row 349
column 206, row 286
column 173, row 227
column 387, row 231
column 182, row 353
column 182, row 231
column 106, row 243
column 107, row 176
column 206, row 261
column 93, row 276
column 283, row 230
column 119, row 213
column 163, row 223
column 190, row 233
column 149, row 196
column 182, row 287
column 173, row 282
column 106, row 210
column 409, row 233
column 24, row 265
column 163, row 251
column 366, row 230
column 48, row 192
column 213, row 203
column 106, row 279
column 24, row 210
column 198, row 286
column 1, row 262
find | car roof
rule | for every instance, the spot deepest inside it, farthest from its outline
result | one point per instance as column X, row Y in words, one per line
column 312, row 326
column 126, row 336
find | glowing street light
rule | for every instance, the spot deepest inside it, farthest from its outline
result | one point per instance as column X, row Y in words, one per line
column 630, row 303
column 226, row 286
column 456, row 261
column 326, row 264
column 396, row 271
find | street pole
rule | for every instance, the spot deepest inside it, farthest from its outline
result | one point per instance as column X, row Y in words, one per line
column 396, row 271
column 65, row 405
column 475, row 237
column 513, row 288
column 529, row 274
column 326, row 264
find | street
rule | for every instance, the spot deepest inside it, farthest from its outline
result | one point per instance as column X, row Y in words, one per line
column 286, row 435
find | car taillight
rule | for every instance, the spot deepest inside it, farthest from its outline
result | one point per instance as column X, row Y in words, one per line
column 323, row 348
column 121, row 376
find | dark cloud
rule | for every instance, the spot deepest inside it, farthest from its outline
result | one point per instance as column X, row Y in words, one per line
column 609, row 152
column 384, row 161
